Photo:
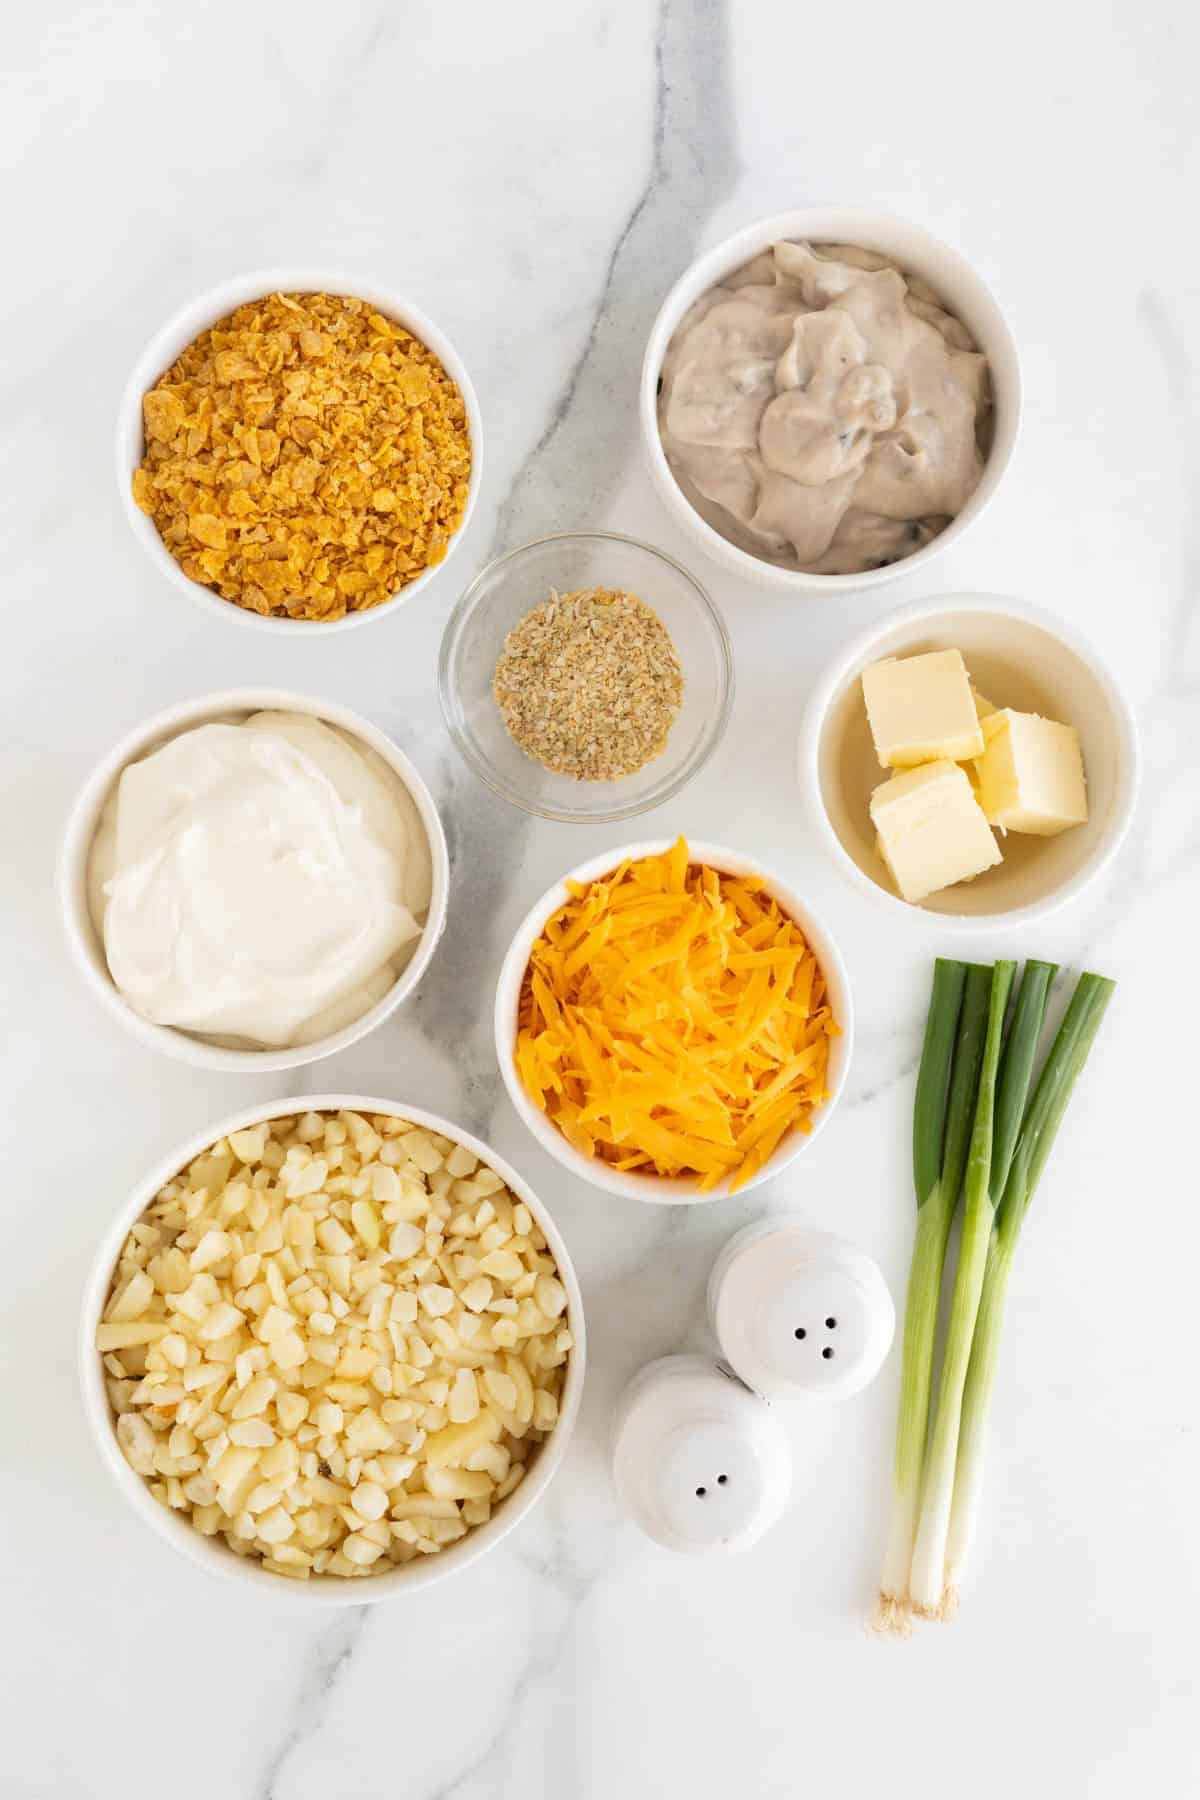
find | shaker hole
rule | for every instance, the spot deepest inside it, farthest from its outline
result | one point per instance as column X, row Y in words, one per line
column 827, row 1352
column 700, row 1493
column 800, row 1332
column 831, row 1324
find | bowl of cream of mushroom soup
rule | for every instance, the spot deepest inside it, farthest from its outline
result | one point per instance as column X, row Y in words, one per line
column 829, row 398
column 253, row 880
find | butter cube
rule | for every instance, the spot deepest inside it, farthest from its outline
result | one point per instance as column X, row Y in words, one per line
column 931, row 830
column 1030, row 776
column 983, row 708
column 921, row 709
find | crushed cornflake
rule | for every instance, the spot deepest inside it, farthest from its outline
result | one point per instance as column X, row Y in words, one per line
column 305, row 457
column 673, row 1021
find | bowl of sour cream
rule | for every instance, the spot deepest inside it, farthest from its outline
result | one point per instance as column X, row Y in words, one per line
column 253, row 879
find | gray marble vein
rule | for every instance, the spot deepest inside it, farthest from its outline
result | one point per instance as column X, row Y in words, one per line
column 589, row 439
column 690, row 168
column 327, row 1665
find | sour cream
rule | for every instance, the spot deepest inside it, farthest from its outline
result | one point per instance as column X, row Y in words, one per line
column 261, row 881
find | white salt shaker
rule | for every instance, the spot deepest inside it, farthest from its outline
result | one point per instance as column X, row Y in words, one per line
column 800, row 1311
column 700, row 1462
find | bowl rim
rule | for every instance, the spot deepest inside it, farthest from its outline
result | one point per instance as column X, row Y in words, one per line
column 204, row 310
column 480, row 766
column 818, row 222
column 79, row 831
column 855, row 655
column 656, row 1189
column 217, row 1558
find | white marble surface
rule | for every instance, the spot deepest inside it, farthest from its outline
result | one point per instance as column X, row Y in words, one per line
column 536, row 176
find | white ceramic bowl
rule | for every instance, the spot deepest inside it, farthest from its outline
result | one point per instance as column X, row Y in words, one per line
column 210, row 1554
column 84, row 818
column 916, row 251
column 664, row 1190
column 173, row 337
column 1018, row 656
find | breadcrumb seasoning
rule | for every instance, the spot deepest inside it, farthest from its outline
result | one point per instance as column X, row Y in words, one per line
column 588, row 684
column 305, row 457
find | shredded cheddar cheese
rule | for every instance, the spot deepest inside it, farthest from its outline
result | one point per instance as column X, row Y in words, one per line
column 674, row 1021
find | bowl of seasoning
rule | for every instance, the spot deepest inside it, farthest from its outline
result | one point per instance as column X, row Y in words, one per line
column 585, row 676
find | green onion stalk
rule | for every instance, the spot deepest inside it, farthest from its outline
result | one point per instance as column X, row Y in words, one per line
column 1020, row 1178
column 954, row 1033
column 925, row 1585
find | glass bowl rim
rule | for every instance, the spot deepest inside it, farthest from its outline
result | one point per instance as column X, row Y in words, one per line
column 485, row 770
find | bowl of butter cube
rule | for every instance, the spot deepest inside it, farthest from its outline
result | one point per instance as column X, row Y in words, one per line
column 971, row 757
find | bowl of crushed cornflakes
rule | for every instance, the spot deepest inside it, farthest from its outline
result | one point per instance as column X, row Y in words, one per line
column 299, row 449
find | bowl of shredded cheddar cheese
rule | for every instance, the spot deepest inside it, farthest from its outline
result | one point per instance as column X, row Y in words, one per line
column 673, row 1022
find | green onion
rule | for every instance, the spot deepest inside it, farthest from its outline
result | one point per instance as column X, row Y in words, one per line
column 1016, row 1068
column 941, row 1116
column 1062, row 1069
column 926, row 1577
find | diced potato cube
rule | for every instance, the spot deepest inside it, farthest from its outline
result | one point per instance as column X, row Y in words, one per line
column 121, row 1336
column 423, row 1152
column 131, row 1300
column 355, row 1362
column 463, row 1403
column 275, row 1527
column 505, row 1265
column 369, row 1500
column 255, row 1398
column 291, row 1411
column 450, row 1447
column 222, row 1320
column 367, row 1432
column 212, row 1248
column 360, row 1550
column 255, row 1432
column 365, row 1220
column 458, row 1484
column 550, row 1295
column 289, row 1352
column 523, row 1386
column 248, row 1145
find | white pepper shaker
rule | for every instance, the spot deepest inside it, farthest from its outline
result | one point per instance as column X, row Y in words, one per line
column 700, row 1462
column 800, row 1311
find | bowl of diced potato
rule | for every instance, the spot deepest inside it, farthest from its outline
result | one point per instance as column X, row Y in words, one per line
column 334, row 1347
column 970, row 757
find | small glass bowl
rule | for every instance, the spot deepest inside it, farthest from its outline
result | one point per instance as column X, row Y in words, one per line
column 512, row 586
